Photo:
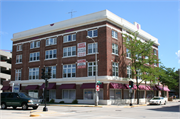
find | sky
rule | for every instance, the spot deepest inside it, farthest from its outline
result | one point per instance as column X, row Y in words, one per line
column 160, row 18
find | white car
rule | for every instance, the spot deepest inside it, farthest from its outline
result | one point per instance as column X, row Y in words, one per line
column 157, row 100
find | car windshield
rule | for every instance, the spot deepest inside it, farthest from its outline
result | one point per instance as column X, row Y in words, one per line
column 23, row 95
column 156, row 99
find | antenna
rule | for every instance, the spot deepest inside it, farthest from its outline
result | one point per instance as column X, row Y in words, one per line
column 71, row 13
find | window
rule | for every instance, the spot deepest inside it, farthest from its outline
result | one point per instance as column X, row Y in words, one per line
column 19, row 48
column 18, row 74
column 33, row 93
column 115, row 49
column 50, row 54
column 115, row 69
column 126, row 94
column 34, row 56
column 33, row 73
column 88, row 94
column 138, row 72
column 93, row 33
column 51, row 41
column 92, row 48
column 69, row 94
column 69, row 38
column 155, row 62
column 138, row 57
column 69, row 70
column 92, row 69
column 141, row 94
column 114, row 34
column 154, row 51
column 128, row 54
column 19, row 59
column 128, row 71
column 115, row 94
column 69, row 51
column 53, row 71
column 146, row 58
column 35, row 44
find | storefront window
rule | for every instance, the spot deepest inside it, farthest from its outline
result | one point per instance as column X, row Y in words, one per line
column 115, row 94
column 33, row 93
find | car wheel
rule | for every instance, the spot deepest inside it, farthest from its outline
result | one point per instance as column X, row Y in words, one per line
column 14, row 107
column 35, row 107
column 3, row 106
column 165, row 103
column 24, row 106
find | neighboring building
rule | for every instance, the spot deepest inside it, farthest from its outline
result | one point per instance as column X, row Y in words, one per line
column 63, row 46
column 5, row 71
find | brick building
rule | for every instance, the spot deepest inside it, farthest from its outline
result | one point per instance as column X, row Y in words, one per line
column 63, row 46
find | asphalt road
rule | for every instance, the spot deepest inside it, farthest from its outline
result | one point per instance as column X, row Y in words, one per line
column 169, row 111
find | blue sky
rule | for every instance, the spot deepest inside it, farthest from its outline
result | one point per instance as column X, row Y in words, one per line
column 160, row 18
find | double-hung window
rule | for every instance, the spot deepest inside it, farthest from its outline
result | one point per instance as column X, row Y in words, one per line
column 129, row 72
column 154, row 51
column 34, row 56
column 51, row 41
column 115, row 94
column 115, row 34
column 19, row 59
column 19, row 48
column 69, row 51
column 128, row 54
column 35, row 44
column 93, row 33
column 51, row 54
column 18, row 74
column 53, row 71
column 69, row 38
column 115, row 69
column 69, row 94
column 138, row 72
column 155, row 62
column 33, row 73
column 115, row 49
column 92, row 48
column 69, row 70
column 92, row 69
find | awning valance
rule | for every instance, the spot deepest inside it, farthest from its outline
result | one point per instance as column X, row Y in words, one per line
column 89, row 86
column 67, row 86
column 32, row 87
column 50, row 86
column 117, row 86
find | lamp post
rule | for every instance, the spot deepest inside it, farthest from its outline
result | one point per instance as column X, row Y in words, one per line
column 96, row 102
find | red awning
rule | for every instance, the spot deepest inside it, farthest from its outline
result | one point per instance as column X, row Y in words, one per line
column 68, row 86
column 154, row 88
column 127, row 86
column 161, row 88
column 143, row 87
column 149, row 87
column 89, row 85
column 32, row 87
column 166, row 89
column 51, row 86
column 117, row 86
column 6, row 88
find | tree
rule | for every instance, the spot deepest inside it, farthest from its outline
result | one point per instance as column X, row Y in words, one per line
column 142, row 59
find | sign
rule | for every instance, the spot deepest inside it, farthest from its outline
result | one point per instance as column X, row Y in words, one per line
column 81, row 63
column 15, row 87
column 97, row 88
column 130, row 90
column 81, row 49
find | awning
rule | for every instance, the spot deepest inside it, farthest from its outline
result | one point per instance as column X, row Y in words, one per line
column 5, row 88
column 89, row 85
column 148, row 87
column 67, row 86
column 166, row 89
column 143, row 87
column 32, row 87
column 117, row 86
column 154, row 88
column 161, row 88
column 127, row 86
column 51, row 86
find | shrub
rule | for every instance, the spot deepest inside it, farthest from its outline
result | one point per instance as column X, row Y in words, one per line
column 51, row 101
column 75, row 101
column 61, row 102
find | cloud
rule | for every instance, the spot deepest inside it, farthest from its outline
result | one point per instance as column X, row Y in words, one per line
column 3, row 33
column 178, row 54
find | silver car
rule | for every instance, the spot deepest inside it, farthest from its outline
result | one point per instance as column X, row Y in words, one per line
column 157, row 100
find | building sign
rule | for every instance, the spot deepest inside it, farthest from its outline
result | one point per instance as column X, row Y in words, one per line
column 81, row 49
column 81, row 63
column 15, row 87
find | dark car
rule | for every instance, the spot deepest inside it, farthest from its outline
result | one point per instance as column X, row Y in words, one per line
column 13, row 99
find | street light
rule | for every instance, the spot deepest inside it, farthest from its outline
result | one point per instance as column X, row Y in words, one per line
column 96, row 102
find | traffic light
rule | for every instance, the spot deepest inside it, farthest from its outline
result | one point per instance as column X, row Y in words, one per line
column 43, row 73
column 99, row 83
column 49, row 73
column 131, row 83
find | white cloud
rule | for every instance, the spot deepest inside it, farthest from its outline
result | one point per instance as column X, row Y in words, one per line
column 178, row 54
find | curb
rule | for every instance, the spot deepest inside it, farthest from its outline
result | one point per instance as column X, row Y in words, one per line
column 135, row 106
column 34, row 114
column 74, row 105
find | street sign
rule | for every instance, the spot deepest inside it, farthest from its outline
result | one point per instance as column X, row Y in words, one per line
column 97, row 87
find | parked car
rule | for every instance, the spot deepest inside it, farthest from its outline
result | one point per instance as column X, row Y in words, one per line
column 157, row 100
column 12, row 99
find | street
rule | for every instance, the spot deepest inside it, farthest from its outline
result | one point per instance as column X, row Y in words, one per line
column 169, row 111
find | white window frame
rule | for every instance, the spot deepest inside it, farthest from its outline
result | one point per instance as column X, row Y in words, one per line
column 92, row 47
column 138, row 73
column 54, row 53
column 114, row 49
column 115, row 95
column 34, row 72
column 71, row 68
column 34, row 44
column 128, row 54
column 51, row 41
column 91, row 33
column 154, row 52
column 129, row 72
column 155, row 64
column 69, row 94
column 115, row 69
column 19, row 48
column 18, row 59
column 65, row 51
column 18, row 74
column 33, row 92
column 114, row 34
column 34, row 56
column 69, row 38
column 53, row 68
column 92, row 66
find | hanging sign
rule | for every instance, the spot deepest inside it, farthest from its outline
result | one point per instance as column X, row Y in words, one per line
column 81, row 63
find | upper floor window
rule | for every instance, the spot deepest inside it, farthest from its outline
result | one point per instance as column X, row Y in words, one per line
column 35, row 44
column 91, row 68
column 154, row 51
column 69, row 70
column 34, row 56
column 33, row 73
column 19, row 59
column 69, row 38
column 51, row 41
column 50, row 54
column 128, row 54
column 19, row 48
column 18, row 74
column 53, row 71
column 115, row 34
column 129, row 72
column 115, row 69
column 139, row 73
column 69, row 51
column 93, row 33
column 155, row 62
column 138, row 57
column 92, row 48
column 115, row 49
